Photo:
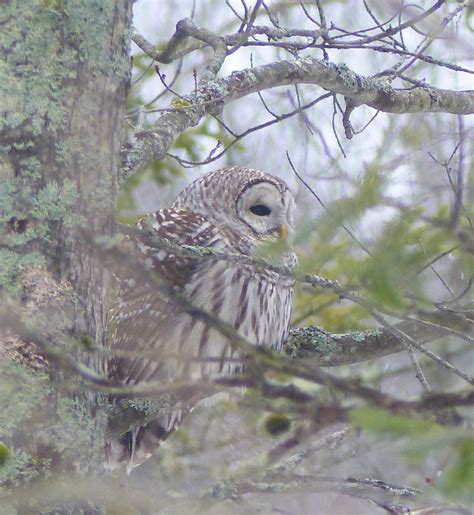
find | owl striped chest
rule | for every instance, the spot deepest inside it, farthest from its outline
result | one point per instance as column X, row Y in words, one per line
column 256, row 302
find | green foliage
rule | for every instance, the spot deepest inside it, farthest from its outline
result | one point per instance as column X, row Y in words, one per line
column 425, row 438
column 22, row 391
column 412, row 136
column 380, row 421
column 272, row 251
column 389, row 270
column 397, row 256
column 4, row 453
column 340, row 319
column 326, row 311
column 351, row 209
column 459, row 479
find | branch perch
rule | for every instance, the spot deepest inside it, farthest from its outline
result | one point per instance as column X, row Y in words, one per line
column 321, row 347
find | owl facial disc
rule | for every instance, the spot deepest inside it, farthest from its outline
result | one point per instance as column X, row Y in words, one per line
column 265, row 209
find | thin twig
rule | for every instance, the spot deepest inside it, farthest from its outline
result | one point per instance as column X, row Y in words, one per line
column 323, row 205
column 276, row 119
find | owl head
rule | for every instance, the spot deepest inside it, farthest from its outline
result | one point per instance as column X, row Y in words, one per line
column 251, row 203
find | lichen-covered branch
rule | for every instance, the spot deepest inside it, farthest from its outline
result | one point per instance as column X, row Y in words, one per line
column 212, row 96
column 186, row 29
column 304, row 369
column 322, row 347
column 329, row 349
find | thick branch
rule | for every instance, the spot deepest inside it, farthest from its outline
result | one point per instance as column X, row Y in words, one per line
column 323, row 348
column 213, row 95
column 179, row 45
column 329, row 350
column 302, row 369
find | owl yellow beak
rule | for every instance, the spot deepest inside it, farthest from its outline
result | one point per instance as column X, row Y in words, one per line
column 283, row 231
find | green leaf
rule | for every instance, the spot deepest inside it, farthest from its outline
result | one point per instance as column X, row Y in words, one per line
column 4, row 453
column 459, row 479
column 380, row 421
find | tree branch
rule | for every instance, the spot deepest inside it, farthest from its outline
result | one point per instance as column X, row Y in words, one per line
column 211, row 97
column 322, row 347
column 330, row 350
column 303, row 369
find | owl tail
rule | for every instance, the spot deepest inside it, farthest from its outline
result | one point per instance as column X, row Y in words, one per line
column 138, row 445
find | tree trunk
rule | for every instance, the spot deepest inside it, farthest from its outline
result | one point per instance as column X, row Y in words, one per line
column 65, row 75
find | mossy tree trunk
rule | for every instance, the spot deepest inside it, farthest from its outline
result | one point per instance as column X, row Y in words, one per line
column 65, row 75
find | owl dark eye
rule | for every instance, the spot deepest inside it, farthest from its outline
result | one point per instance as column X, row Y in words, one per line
column 260, row 210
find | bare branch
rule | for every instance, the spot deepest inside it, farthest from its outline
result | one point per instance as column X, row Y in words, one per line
column 395, row 30
column 184, row 29
column 217, row 43
column 211, row 97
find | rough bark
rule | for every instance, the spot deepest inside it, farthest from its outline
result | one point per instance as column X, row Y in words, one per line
column 65, row 68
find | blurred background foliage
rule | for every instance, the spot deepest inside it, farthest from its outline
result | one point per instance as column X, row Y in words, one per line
column 388, row 214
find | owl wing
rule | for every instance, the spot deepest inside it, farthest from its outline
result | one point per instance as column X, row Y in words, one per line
column 142, row 314
column 144, row 319
column 180, row 227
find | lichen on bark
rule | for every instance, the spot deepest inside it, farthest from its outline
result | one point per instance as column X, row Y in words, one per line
column 65, row 68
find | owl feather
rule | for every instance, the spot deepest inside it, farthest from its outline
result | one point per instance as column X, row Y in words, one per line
column 234, row 210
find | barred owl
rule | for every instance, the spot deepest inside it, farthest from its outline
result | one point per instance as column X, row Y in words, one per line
column 233, row 210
